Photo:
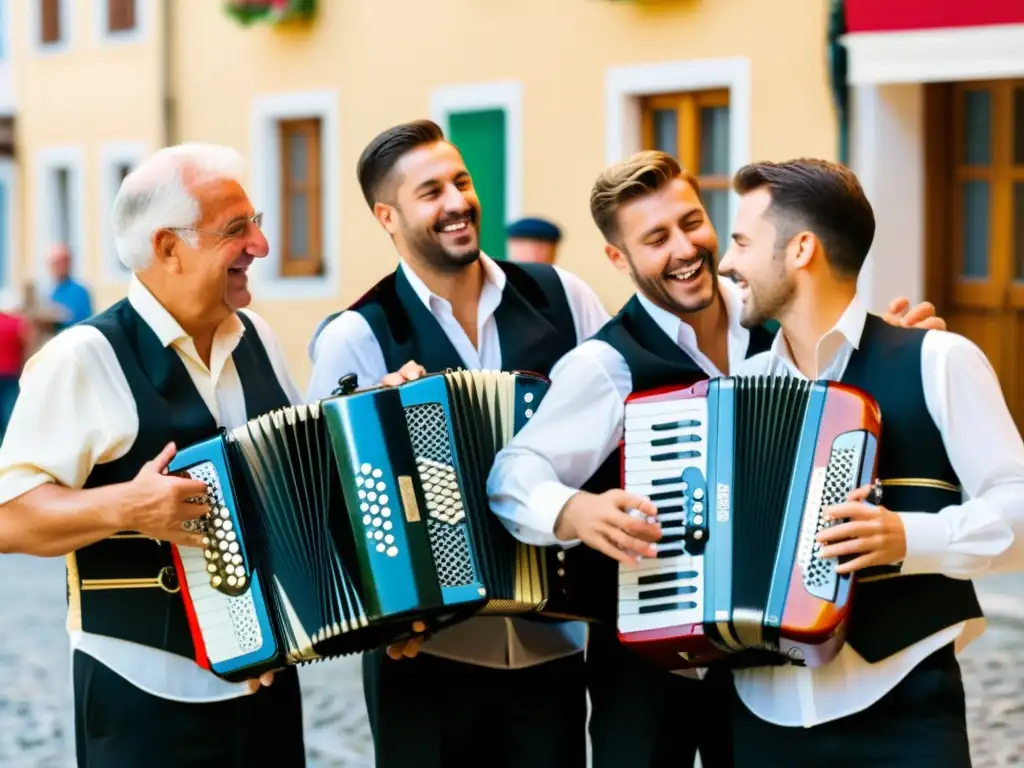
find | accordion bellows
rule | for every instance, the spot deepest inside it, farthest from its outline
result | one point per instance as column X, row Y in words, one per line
column 334, row 525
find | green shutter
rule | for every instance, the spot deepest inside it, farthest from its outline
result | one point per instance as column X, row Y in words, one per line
column 480, row 136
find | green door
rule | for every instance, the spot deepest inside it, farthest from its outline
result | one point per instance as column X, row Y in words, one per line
column 480, row 136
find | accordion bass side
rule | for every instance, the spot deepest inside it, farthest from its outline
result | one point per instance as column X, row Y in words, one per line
column 741, row 470
column 333, row 526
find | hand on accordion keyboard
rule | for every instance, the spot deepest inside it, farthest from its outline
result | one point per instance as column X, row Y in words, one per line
column 409, row 648
column 408, row 372
column 872, row 535
column 158, row 505
column 603, row 522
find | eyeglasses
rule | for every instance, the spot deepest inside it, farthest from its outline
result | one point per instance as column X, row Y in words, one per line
column 238, row 228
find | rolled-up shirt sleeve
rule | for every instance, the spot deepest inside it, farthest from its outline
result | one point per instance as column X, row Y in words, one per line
column 577, row 426
column 74, row 411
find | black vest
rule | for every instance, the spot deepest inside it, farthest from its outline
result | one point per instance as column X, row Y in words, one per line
column 891, row 614
column 169, row 409
column 535, row 323
column 654, row 360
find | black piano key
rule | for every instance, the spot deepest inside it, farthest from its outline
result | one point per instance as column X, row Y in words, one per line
column 651, row 594
column 676, row 455
column 670, row 480
column 674, row 425
column 677, row 439
column 661, row 578
column 667, row 607
column 671, row 538
column 669, row 552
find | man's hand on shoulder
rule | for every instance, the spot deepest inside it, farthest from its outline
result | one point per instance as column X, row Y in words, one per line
column 408, row 372
column 616, row 523
column 922, row 315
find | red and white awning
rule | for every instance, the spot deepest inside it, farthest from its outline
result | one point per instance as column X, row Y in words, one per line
column 919, row 41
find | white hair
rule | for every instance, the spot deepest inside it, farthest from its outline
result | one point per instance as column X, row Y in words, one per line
column 158, row 194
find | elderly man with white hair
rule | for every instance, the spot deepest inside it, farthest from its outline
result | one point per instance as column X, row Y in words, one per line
column 103, row 407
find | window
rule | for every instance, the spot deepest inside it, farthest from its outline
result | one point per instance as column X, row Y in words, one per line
column 694, row 128
column 59, row 214
column 120, row 15
column 117, row 159
column 480, row 136
column 50, row 21
column 485, row 121
column 301, row 205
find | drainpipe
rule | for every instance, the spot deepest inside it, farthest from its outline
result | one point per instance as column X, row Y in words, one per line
column 838, row 76
column 169, row 134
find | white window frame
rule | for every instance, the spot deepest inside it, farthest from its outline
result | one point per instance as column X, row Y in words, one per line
column 112, row 156
column 266, row 112
column 47, row 162
column 506, row 95
column 626, row 86
column 9, row 228
column 143, row 13
column 67, row 20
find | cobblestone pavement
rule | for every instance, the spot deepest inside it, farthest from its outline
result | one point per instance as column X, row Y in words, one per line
column 35, row 714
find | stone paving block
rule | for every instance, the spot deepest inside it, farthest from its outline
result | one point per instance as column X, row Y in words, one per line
column 35, row 719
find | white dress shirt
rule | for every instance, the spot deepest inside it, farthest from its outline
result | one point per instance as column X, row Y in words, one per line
column 982, row 535
column 76, row 410
column 347, row 345
column 579, row 424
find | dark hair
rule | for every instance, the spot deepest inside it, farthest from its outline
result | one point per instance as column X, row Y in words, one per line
column 386, row 149
column 822, row 197
column 637, row 176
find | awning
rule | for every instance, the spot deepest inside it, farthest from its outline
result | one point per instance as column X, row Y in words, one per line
column 918, row 41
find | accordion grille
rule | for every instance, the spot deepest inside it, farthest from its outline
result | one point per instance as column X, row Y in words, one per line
column 840, row 475
column 446, row 519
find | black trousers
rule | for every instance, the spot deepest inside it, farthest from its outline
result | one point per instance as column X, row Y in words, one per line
column 429, row 712
column 644, row 717
column 920, row 723
column 120, row 726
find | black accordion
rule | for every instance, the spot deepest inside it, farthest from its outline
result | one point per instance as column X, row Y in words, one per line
column 333, row 526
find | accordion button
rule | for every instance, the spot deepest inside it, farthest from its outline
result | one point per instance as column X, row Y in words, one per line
column 385, row 512
column 227, row 525
column 366, row 469
column 382, row 499
column 380, row 547
column 387, row 525
column 364, row 507
column 528, row 397
column 698, row 520
column 381, row 486
column 215, row 581
column 699, row 493
column 212, row 568
column 223, row 512
column 231, row 536
column 233, row 547
column 223, row 546
column 369, row 534
column 232, row 581
column 377, row 473
column 392, row 551
column 241, row 581
column 208, row 554
column 529, row 412
column 236, row 559
column 377, row 522
column 389, row 539
column 378, row 535
column 371, row 496
column 366, row 519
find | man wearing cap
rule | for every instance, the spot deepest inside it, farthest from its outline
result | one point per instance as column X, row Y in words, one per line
column 533, row 240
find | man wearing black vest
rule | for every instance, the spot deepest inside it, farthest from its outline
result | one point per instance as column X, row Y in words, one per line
column 102, row 409
column 951, row 465
column 558, row 482
column 507, row 693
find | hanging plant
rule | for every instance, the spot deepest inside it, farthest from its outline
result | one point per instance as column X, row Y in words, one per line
column 270, row 11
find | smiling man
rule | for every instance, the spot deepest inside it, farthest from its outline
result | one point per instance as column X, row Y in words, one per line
column 558, row 481
column 513, row 690
column 102, row 408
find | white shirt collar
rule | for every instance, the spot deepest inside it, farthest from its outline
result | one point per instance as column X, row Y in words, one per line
column 494, row 285
column 167, row 329
column 844, row 335
column 685, row 337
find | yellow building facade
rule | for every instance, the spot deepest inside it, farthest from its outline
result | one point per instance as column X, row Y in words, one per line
column 540, row 93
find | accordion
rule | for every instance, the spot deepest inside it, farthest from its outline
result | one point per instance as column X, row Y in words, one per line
column 740, row 470
column 334, row 525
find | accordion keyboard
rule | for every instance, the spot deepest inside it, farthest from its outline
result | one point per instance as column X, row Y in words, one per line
column 229, row 623
column 665, row 461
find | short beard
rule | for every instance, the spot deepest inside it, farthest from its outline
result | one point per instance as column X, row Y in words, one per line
column 771, row 302
column 654, row 288
column 435, row 255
